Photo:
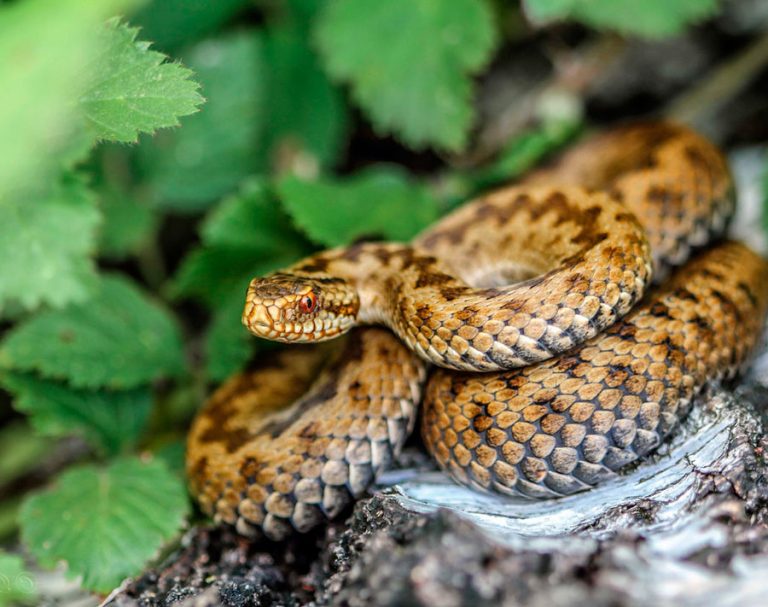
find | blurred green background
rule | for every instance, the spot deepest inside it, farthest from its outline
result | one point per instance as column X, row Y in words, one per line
column 154, row 156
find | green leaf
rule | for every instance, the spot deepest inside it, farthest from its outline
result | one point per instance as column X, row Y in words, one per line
column 45, row 246
column 524, row 151
column 17, row 587
column 210, row 274
column 21, row 450
column 104, row 523
column 172, row 23
column 127, row 224
column 305, row 113
column 250, row 218
column 110, row 421
column 377, row 202
column 652, row 18
column 409, row 63
column 191, row 168
column 119, row 339
column 173, row 455
column 228, row 346
column 133, row 91
column 44, row 45
column 246, row 235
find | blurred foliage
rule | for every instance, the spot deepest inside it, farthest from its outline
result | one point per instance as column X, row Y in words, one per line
column 16, row 585
column 125, row 252
column 190, row 168
column 654, row 18
column 172, row 23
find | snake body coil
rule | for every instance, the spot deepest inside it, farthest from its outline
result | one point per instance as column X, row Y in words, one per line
column 281, row 447
column 528, row 282
column 565, row 424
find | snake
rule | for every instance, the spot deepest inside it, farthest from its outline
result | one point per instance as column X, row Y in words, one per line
column 552, row 332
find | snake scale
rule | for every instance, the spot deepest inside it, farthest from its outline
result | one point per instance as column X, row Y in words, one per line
column 574, row 315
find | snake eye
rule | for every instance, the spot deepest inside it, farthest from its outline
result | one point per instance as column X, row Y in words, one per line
column 308, row 303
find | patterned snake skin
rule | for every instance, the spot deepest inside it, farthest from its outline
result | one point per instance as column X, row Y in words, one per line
column 530, row 279
column 276, row 448
column 562, row 425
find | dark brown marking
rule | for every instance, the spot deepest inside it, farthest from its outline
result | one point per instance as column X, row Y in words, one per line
column 424, row 311
column 626, row 330
column 684, row 294
column 433, row 279
column 711, row 274
column 198, row 469
column 744, row 288
column 567, row 363
column 514, row 305
column 309, row 431
column 664, row 196
column 660, row 310
column 694, row 155
column 317, row 264
column 702, row 323
column 353, row 252
column 727, row 303
column 231, row 438
column 451, row 293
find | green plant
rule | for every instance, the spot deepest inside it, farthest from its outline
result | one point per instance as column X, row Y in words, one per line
column 97, row 343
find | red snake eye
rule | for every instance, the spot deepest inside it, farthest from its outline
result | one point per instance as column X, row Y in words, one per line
column 308, row 303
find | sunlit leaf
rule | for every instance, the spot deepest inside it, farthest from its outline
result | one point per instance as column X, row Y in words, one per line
column 133, row 90
column 409, row 63
column 380, row 202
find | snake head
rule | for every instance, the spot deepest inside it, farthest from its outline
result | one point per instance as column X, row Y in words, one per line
column 295, row 308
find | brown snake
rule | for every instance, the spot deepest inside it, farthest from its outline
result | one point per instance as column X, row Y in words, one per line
column 533, row 282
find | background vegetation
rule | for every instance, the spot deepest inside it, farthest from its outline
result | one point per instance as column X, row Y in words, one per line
column 155, row 156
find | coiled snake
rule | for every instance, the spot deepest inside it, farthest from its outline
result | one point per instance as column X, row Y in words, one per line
column 534, row 285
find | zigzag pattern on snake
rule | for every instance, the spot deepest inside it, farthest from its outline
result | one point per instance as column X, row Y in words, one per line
column 529, row 282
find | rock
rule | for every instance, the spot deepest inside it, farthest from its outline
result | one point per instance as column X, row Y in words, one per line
column 686, row 528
